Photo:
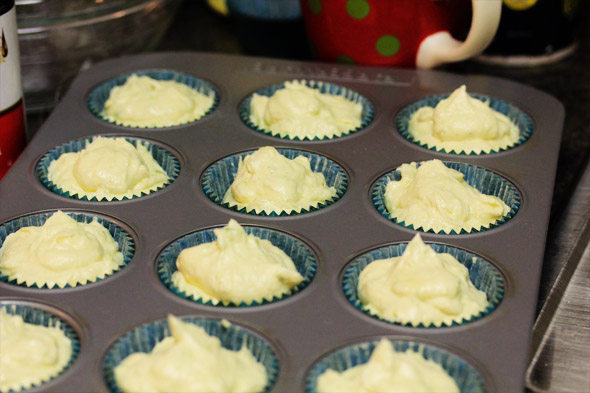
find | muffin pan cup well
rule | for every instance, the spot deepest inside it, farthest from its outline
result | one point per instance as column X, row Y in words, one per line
column 232, row 337
column 100, row 94
column 302, row 256
column 465, row 376
column 482, row 274
column 41, row 314
column 323, row 88
column 483, row 180
column 219, row 177
column 318, row 319
column 513, row 113
column 126, row 244
column 165, row 159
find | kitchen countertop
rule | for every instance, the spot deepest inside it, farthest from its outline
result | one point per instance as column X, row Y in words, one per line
column 198, row 28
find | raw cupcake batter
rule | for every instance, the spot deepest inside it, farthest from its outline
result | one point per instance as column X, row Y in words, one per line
column 30, row 354
column 461, row 123
column 420, row 286
column 268, row 181
column 109, row 168
column 436, row 197
column 235, row 268
column 389, row 371
column 146, row 102
column 191, row 361
column 300, row 111
column 62, row 251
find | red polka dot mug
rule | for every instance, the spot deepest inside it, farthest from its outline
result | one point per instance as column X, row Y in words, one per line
column 404, row 33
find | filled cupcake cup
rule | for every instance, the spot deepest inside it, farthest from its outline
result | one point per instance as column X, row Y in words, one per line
column 232, row 336
column 482, row 274
column 467, row 377
column 100, row 94
column 516, row 115
column 119, row 234
column 161, row 155
column 367, row 114
column 42, row 315
column 217, row 179
column 482, row 179
column 299, row 252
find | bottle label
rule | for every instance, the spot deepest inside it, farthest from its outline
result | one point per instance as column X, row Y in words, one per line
column 12, row 120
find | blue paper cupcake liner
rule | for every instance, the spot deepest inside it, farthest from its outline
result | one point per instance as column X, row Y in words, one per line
column 41, row 317
column 144, row 338
column 218, row 178
column 516, row 116
column 100, row 94
column 323, row 87
column 121, row 236
column 467, row 378
column 484, row 180
column 300, row 253
column 163, row 157
column 482, row 274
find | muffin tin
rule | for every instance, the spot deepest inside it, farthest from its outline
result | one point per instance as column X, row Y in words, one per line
column 318, row 321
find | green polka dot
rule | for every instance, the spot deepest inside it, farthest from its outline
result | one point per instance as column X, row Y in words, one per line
column 315, row 6
column 357, row 9
column 343, row 59
column 387, row 45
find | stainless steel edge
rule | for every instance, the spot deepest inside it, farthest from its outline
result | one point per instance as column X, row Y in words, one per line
column 561, row 334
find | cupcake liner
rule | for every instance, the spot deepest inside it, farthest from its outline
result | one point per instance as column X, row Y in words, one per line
column 163, row 157
column 37, row 316
column 467, row 378
column 232, row 337
column 218, row 178
column 516, row 115
column 482, row 274
column 121, row 236
column 484, row 180
column 325, row 88
column 301, row 254
column 100, row 94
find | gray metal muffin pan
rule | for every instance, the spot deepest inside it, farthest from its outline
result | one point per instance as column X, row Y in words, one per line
column 318, row 319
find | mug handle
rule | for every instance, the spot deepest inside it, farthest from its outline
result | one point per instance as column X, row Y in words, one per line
column 441, row 47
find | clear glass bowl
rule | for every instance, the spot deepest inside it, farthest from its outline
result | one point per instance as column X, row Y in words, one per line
column 57, row 39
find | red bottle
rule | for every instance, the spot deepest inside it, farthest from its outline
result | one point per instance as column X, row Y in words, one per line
column 12, row 116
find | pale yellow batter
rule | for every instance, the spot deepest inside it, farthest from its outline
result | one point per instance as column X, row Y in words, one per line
column 461, row 123
column 235, row 268
column 108, row 168
column 30, row 354
column 268, row 181
column 436, row 197
column 300, row 111
column 62, row 251
column 146, row 102
column 420, row 286
column 191, row 361
column 389, row 371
